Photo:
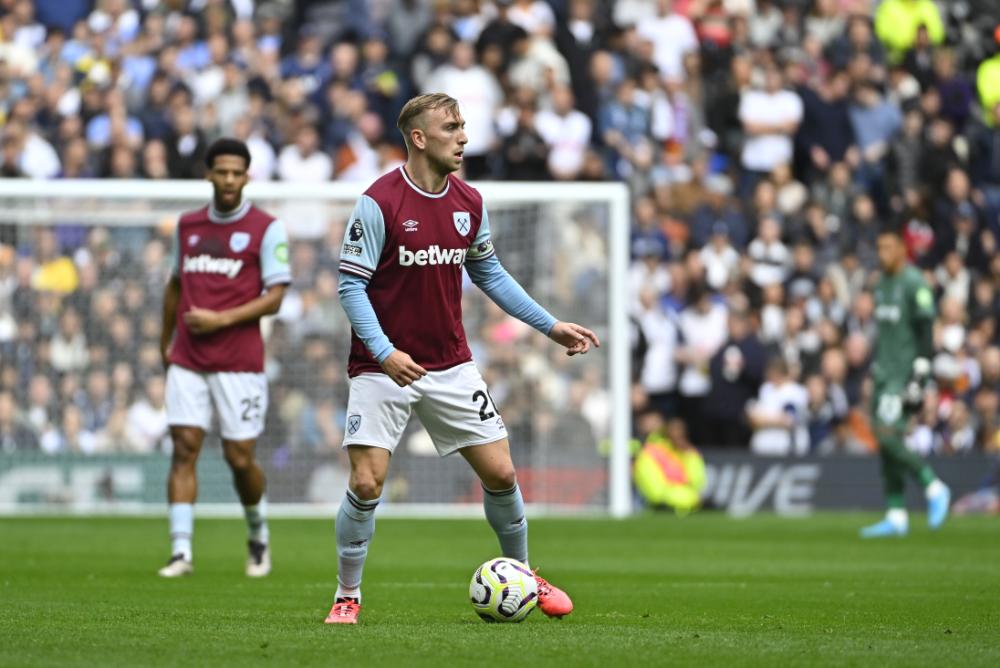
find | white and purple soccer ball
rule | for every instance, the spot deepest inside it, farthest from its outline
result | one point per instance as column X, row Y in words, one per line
column 503, row 590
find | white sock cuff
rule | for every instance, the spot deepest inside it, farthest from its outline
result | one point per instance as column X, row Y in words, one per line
column 898, row 517
column 358, row 509
column 344, row 591
column 259, row 508
column 503, row 497
column 936, row 487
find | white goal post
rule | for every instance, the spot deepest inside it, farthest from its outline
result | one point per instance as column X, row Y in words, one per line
column 567, row 243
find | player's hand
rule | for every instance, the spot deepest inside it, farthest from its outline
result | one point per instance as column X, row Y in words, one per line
column 402, row 369
column 573, row 337
column 165, row 355
column 204, row 321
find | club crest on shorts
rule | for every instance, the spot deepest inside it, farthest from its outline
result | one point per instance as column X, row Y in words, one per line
column 239, row 241
column 462, row 221
column 353, row 424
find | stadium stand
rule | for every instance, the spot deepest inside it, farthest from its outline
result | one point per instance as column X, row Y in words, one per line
column 764, row 142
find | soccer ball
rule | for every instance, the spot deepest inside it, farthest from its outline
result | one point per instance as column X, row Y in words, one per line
column 503, row 590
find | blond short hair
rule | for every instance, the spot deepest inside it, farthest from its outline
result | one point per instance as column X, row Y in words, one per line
column 416, row 107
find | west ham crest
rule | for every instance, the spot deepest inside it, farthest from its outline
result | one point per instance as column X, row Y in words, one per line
column 353, row 424
column 239, row 241
column 462, row 221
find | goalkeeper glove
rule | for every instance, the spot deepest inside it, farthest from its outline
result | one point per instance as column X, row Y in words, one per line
column 913, row 395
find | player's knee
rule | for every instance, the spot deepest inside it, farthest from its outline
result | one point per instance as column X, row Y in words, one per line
column 184, row 455
column 366, row 485
column 239, row 458
column 500, row 479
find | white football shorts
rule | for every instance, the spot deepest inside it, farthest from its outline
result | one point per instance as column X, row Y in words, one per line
column 239, row 397
column 454, row 406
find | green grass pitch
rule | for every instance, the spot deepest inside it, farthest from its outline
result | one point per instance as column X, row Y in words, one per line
column 657, row 590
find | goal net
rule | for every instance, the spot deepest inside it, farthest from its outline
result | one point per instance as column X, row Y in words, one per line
column 82, row 427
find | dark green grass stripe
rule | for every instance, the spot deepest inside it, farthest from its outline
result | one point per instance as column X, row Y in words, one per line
column 703, row 591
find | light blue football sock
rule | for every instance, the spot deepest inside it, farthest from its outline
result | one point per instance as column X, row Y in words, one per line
column 355, row 528
column 181, row 528
column 505, row 513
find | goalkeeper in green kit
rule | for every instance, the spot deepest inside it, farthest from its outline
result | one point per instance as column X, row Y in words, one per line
column 904, row 311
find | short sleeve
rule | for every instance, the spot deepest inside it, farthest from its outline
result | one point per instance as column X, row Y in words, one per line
column 274, row 267
column 364, row 239
column 482, row 245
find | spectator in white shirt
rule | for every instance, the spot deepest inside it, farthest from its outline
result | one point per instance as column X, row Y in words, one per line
column 703, row 329
column 40, row 410
column 780, row 415
column 658, row 375
column 672, row 36
column 770, row 259
column 262, row 157
column 567, row 133
column 29, row 34
column 721, row 260
column 651, row 94
column 954, row 278
column 232, row 100
column 770, row 118
column 536, row 64
column 146, row 426
column 358, row 158
column 632, row 12
column 479, row 96
column 68, row 348
column 535, row 16
column 34, row 157
column 209, row 82
column 773, row 314
column 302, row 161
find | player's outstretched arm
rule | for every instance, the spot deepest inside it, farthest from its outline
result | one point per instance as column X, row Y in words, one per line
column 490, row 276
column 171, row 297
column 576, row 339
column 206, row 321
column 501, row 287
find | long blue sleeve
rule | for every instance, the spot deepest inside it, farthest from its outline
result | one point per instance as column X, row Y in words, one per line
column 354, row 299
column 501, row 287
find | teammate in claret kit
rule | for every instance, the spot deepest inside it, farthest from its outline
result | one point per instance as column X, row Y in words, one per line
column 401, row 285
column 904, row 312
column 230, row 269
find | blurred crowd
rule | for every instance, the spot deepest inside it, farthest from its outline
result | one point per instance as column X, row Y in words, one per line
column 764, row 142
column 80, row 368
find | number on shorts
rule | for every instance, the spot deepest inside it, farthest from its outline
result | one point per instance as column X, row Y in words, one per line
column 890, row 408
column 484, row 413
column 251, row 408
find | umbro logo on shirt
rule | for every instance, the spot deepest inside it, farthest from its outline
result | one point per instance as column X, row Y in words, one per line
column 411, row 225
